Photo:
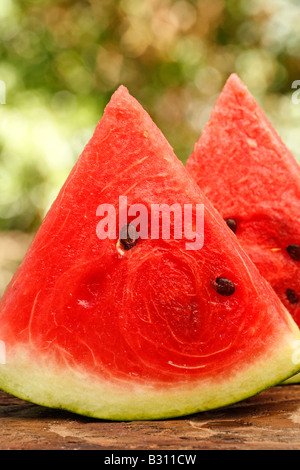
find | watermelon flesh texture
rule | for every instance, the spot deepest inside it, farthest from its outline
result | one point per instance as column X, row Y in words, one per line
column 247, row 172
column 139, row 333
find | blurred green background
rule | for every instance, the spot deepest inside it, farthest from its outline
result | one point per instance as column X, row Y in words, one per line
column 61, row 60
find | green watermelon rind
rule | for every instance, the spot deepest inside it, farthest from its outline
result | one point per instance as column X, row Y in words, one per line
column 48, row 385
column 295, row 379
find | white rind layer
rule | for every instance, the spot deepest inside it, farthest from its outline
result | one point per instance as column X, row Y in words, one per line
column 41, row 381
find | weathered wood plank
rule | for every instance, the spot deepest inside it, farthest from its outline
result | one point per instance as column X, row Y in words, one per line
column 269, row 420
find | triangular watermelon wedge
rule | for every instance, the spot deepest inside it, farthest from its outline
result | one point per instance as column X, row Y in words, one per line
column 253, row 180
column 138, row 328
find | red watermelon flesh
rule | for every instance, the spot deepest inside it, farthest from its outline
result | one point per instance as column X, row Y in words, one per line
column 144, row 332
column 252, row 179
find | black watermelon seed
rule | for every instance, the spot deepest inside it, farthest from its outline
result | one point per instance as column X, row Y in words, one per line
column 231, row 224
column 291, row 296
column 224, row 286
column 294, row 252
column 128, row 236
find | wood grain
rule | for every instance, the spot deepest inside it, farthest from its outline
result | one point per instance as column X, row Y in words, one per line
column 268, row 421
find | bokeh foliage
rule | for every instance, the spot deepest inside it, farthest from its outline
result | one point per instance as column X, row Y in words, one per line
column 62, row 59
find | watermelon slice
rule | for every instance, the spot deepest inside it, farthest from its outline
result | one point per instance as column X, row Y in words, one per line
column 253, row 180
column 138, row 327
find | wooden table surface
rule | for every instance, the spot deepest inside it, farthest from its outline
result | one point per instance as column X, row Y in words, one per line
column 267, row 421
